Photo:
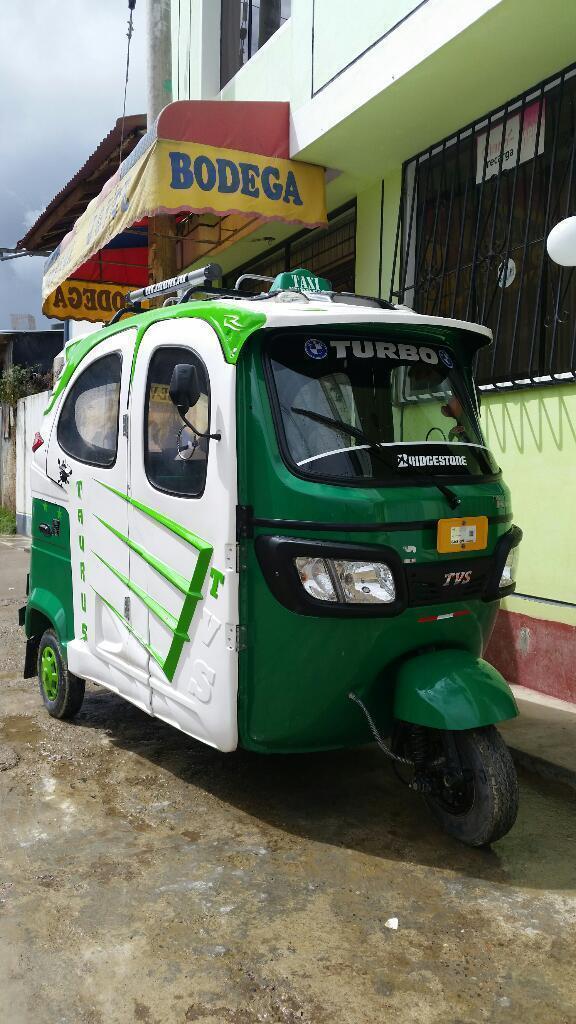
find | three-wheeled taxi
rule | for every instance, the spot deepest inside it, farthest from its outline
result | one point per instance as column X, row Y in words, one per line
column 273, row 522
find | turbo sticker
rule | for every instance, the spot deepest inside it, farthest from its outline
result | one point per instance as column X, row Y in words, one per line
column 360, row 348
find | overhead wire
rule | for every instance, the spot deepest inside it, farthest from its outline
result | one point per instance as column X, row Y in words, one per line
column 129, row 34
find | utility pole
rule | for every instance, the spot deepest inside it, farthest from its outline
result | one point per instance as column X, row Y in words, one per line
column 161, row 229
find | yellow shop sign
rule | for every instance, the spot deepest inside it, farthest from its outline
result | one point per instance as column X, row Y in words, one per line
column 85, row 300
column 179, row 177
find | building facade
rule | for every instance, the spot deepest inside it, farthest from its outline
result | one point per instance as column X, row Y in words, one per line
column 447, row 131
column 30, row 349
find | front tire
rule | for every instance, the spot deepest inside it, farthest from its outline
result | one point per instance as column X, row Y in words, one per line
column 61, row 691
column 484, row 807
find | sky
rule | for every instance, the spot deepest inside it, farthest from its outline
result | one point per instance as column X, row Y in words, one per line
column 62, row 70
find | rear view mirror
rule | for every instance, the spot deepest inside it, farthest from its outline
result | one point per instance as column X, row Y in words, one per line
column 184, row 387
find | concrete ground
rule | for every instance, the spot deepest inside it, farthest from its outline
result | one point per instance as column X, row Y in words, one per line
column 543, row 737
column 146, row 878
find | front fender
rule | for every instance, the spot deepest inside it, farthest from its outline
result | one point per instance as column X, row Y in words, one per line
column 451, row 689
column 45, row 604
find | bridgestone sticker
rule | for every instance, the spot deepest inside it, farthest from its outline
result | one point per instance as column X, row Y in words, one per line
column 405, row 461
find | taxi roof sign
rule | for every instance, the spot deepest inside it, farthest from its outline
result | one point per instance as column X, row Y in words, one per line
column 300, row 280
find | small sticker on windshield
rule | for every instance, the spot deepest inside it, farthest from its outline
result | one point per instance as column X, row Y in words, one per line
column 315, row 349
column 446, row 358
column 405, row 460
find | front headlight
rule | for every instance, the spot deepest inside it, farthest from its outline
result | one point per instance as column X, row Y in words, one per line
column 315, row 578
column 510, row 569
column 346, row 582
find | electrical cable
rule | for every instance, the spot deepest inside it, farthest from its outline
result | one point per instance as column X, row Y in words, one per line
column 189, row 57
column 129, row 34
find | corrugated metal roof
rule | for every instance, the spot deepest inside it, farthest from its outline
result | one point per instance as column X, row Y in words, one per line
column 61, row 213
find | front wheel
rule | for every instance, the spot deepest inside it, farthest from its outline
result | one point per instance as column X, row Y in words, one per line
column 61, row 691
column 477, row 800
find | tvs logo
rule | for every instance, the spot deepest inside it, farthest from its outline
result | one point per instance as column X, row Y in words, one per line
column 316, row 349
column 455, row 579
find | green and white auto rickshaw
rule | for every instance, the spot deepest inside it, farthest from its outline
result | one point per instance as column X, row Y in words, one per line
column 274, row 523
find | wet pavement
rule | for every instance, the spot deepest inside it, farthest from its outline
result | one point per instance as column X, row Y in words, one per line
column 147, row 878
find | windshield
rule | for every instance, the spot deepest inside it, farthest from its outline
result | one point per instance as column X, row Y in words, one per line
column 359, row 407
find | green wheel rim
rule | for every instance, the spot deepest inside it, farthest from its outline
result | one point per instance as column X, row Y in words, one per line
column 49, row 674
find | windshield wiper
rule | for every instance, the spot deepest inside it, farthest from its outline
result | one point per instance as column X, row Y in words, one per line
column 347, row 428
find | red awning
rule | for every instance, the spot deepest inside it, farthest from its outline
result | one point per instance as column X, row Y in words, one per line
column 192, row 162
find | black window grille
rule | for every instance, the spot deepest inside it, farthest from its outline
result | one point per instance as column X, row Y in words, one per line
column 245, row 26
column 475, row 212
column 328, row 252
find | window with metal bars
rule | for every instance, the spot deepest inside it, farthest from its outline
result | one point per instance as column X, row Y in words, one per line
column 475, row 213
column 327, row 252
column 245, row 26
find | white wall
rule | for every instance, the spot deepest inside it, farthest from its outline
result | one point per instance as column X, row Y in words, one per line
column 29, row 418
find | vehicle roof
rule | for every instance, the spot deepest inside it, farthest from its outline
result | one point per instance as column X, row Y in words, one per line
column 234, row 320
column 288, row 308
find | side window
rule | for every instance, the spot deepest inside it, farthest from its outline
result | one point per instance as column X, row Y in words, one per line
column 88, row 423
column 175, row 458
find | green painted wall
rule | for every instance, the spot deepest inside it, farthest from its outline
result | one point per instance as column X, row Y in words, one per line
column 368, row 240
column 377, row 206
column 334, row 49
column 533, row 435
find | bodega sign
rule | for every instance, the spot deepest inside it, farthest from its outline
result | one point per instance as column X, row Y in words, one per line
column 229, row 181
column 170, row 176
column 85, row 300
column 228, row 178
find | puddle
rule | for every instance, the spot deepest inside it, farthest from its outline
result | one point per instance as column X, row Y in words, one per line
column 20, row 729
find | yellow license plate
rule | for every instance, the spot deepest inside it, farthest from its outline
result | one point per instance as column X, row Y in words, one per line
column 465, row 534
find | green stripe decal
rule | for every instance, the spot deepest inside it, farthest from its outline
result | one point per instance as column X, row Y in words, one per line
column 135, row 356
column 176, row 578
column 154, row 654
column 180, row 531
column 191, row 589
column 157, row 609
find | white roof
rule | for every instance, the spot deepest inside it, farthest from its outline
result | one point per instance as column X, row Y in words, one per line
column 289, row 310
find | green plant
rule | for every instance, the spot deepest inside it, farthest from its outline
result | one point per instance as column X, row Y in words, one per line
column 7, row 521
column 18, row 382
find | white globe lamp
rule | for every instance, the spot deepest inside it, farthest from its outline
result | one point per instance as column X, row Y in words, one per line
column 561, row 243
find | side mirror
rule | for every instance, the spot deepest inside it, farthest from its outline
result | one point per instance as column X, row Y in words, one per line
column 561, row 243
column 184, row 387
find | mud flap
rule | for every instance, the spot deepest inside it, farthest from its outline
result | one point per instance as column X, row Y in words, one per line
column 452, row 689
column 31, row 657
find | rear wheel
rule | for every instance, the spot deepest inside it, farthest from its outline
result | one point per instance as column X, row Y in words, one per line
column 474, row 796
column 61, row 691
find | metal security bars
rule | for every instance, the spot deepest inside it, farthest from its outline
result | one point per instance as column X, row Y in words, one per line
column 474, row 216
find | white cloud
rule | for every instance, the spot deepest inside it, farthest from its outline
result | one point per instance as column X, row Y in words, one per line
column 62, row 64
column 31, row 216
